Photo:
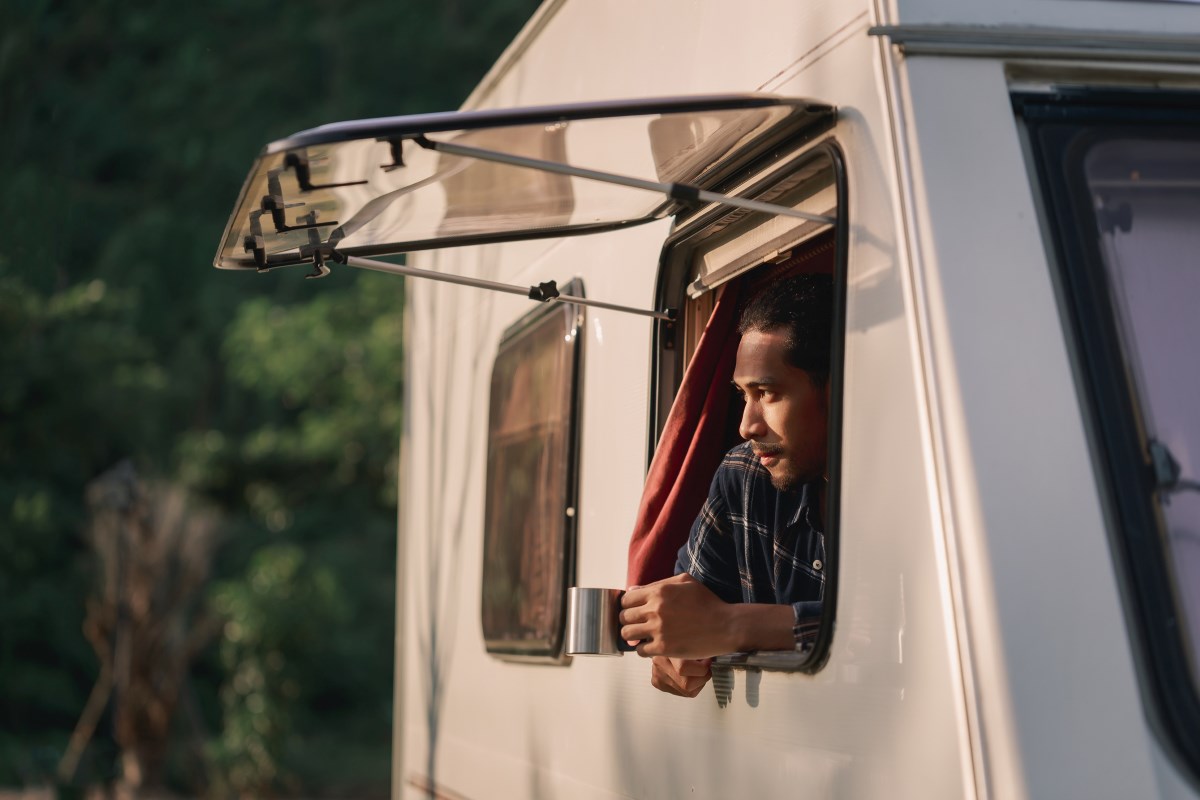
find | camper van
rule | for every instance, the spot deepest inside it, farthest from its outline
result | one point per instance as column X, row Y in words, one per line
column 1006, row 197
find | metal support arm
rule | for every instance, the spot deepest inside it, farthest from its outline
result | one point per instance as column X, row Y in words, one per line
column 545, row 292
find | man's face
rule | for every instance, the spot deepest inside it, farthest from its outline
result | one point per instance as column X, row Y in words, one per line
column 785, row 416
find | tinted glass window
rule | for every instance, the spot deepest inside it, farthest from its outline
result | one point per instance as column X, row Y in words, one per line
column 528, row 536
column 1120, row 174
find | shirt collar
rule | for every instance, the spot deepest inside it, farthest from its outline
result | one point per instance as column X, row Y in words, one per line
column 809, row 507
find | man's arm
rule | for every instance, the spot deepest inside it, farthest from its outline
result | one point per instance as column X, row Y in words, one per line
column 693, row 621
column 681, row 618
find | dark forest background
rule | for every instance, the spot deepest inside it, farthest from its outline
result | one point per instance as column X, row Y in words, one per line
column 197, row 468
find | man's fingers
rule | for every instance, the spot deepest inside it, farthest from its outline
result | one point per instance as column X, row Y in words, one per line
column 628, row 616
column 693, row 673
column 693, row 668
column 663, row 686
column 663, row 678
column 634, row 596
column 636, row 633
column 646, row 647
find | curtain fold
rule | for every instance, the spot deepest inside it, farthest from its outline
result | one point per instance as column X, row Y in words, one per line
column 690, row 448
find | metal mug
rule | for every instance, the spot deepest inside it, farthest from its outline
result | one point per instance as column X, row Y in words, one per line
column 592, row 625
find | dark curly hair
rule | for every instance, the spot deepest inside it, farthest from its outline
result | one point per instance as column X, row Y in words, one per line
column 802, row 305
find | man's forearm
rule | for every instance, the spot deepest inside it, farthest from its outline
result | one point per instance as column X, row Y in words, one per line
column 760, row 626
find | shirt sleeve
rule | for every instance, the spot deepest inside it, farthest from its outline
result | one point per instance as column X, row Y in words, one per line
column 709, row 555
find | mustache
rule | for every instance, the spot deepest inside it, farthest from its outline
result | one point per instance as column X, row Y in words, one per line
column 761, row 449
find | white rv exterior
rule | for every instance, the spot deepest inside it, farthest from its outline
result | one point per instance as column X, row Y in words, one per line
column 983, row 646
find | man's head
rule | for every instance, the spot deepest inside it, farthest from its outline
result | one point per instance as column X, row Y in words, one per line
column 782, row 370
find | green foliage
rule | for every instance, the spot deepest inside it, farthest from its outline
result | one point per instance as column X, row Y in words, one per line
column 77, row 376
column 279, row 615
column 334, row 365
column 128, row 128
column 308, row 643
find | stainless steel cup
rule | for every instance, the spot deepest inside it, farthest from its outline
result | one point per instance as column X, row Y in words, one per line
column 592, row 626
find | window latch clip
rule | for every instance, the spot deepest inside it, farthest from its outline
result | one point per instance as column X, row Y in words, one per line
column 1167, row 472
column 544, row 291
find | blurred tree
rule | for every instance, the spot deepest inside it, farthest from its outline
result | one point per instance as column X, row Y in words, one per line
column 127, row 131
column 153, row 547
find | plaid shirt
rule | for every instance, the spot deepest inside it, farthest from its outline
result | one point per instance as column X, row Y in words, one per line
column 752, row 543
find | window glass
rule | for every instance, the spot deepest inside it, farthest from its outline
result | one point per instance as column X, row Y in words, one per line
column 388, row 185
column 1120, row 178
column 1145, row 195
column 528, row 534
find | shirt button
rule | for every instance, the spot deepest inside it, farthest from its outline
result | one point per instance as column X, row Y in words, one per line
column 817, row 564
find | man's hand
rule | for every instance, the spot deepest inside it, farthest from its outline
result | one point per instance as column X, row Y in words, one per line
column 681, row 618
column 680, row 676
column 678, row 617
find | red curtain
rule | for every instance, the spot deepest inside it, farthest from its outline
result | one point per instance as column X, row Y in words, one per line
column 690, row 449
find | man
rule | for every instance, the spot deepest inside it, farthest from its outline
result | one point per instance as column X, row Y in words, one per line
column 752, row 575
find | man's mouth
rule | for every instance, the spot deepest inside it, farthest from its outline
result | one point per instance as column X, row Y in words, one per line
column 768, row 454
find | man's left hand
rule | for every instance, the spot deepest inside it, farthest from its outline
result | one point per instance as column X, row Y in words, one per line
column 680, row 676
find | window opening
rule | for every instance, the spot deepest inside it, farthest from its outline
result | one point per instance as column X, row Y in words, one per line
column 712, row 268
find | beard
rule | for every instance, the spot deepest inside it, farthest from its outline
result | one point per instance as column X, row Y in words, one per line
column 783, row 479
column 783, row 475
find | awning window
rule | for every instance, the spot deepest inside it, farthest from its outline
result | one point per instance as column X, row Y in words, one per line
column 393, row 185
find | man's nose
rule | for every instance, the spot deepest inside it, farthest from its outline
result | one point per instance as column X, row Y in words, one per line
column 752, row 425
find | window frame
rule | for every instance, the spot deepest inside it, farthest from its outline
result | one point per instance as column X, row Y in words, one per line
column 551, row 652
column 667, row 369
column 1060, row 128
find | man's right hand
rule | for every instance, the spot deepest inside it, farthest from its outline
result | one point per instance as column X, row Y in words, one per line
column 679, row 617
column 680, row 676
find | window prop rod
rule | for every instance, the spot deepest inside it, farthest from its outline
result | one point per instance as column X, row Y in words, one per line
column 545, row 292
column 682, row 192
